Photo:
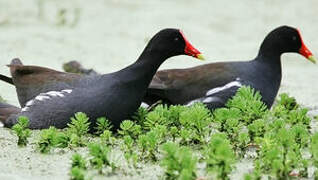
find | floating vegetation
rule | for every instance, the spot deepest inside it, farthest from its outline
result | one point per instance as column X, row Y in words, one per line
column 193, row 142
column 22, row 131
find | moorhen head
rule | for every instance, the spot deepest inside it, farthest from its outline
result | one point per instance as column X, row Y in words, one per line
column 283, row 40
column 213, row 84
column 116, row 95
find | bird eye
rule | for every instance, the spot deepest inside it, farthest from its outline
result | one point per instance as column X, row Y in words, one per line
column 294, row 38
column 176, row 39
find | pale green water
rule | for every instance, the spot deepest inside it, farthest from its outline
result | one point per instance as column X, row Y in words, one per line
column 111, row 34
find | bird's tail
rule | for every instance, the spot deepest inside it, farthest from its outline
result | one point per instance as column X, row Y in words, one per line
column 6, row 79
column 7, row 110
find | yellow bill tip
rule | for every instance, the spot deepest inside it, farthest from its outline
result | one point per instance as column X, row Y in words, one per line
column 312, row 59
column 200, row 57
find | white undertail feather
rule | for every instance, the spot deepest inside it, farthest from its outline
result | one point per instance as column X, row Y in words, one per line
column 190, row 103
column 45, row 96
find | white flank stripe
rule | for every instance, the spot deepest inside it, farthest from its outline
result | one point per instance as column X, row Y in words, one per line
column 227, row 86
column 67, row 90
column 41, row 97
column 1, row 125
column 29, row 103
column 45, row 96
column 209, row 99
column 55, row 93
column 24, row 109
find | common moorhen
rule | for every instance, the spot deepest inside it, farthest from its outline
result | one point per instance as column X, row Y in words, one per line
column 213, row 84
column 116, row 95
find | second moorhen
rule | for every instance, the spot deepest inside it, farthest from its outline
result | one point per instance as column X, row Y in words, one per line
column 30, row 81
column 213, row 84
column 116, row 95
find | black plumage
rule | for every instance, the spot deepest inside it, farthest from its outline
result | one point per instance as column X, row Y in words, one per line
column 213, row 84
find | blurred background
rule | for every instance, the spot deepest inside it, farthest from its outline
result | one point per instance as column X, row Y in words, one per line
column 108, row 35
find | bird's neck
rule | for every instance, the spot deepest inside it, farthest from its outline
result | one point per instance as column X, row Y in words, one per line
column 140, row 73
column 269, row 53
column 269, row 60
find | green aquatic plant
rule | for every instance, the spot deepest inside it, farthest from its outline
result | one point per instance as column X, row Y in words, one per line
column 107, row 138
column 164, row 115
column 100, row 157
column 174, row 132
column 159, row 116
column 178, row 162
column 289, row 103
column 140, row 115
column 51, row 138
column 129, row 152
column 102, row 125
column 279, row 140
column 79, row 124
column 314, row 150
column 22, row 131
column 129, row 128
column 78, row 161
column 186, row 136
column 250, row 104
column 301, row 135
column 221, row 115
column 219, row 156
column 77, row 174
column 148, row 143
column 280, row 152
column 77, row 129
column 78, row 167
column 288, row 110
column 257, row 128
column 197, row 118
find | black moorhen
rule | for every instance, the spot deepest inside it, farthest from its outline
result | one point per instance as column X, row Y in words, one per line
column 213, row 84
column 116, row 95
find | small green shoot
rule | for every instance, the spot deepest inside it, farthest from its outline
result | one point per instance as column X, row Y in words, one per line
column 77, row 174
column 220, row 157
column 78, row 161
column 102, row 125
column 100, row 155
column 51, row 138
column 78, row 127
column 22, row 131
column 178, row 162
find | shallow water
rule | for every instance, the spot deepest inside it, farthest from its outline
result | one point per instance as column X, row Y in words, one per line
column 110, row 34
